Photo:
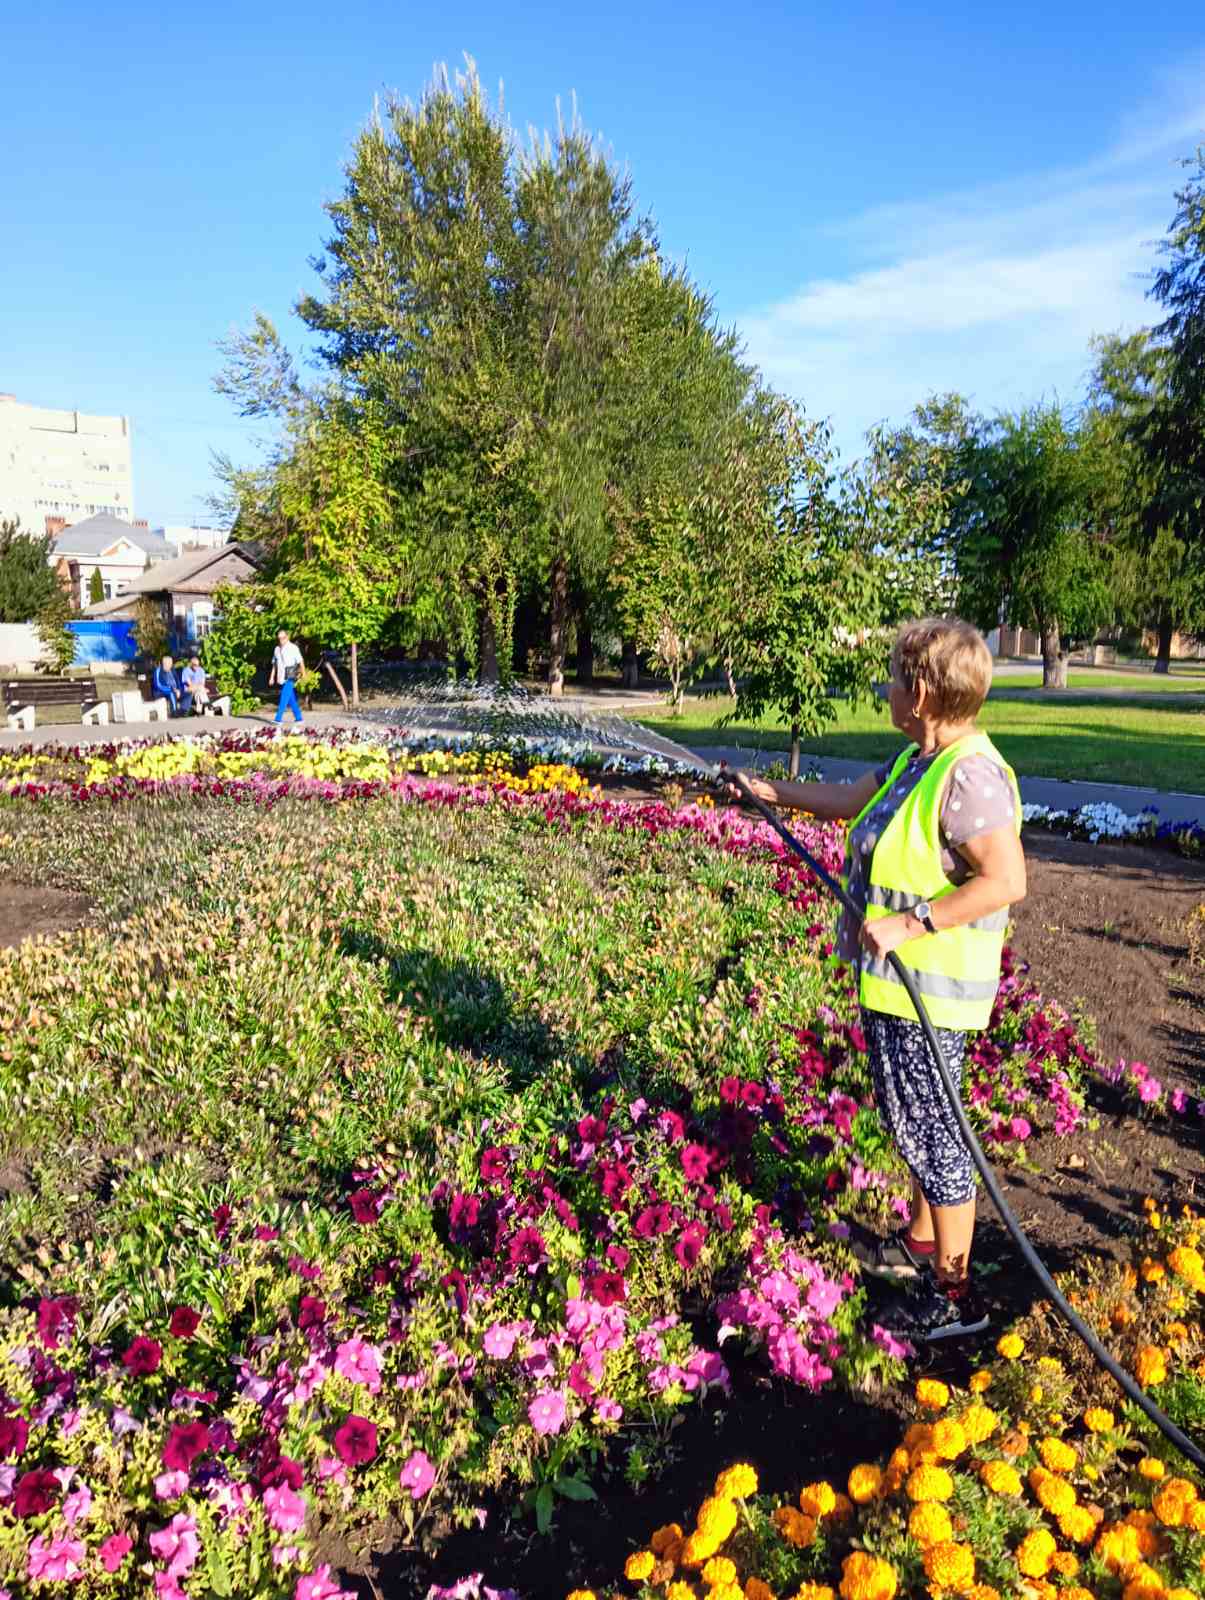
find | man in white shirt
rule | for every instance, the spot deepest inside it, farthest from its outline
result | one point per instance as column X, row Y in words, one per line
column 287, row 667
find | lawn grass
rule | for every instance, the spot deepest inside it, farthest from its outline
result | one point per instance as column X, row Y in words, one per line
column 1140, row 682
column 1092, row 740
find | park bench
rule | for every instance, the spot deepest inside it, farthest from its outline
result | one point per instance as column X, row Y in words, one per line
column 23, row 696
column 131, row 707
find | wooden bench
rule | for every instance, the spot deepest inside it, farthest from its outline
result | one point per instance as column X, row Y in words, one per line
column 22, row 697
column 131, row 707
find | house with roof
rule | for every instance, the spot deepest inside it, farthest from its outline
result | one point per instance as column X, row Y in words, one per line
column 120, row 551
column 183, row 589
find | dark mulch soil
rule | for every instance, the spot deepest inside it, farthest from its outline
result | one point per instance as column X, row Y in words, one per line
column 28, row 913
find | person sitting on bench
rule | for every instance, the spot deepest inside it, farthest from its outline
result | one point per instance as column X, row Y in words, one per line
column 195, row 684
column 167, row 688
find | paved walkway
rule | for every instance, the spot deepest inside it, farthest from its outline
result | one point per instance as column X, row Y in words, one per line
column 559, row 720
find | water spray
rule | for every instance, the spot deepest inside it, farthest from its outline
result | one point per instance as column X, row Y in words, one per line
column 534, row 719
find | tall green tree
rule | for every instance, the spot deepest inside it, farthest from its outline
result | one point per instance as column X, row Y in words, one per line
column 27, row 582
column 96, row 587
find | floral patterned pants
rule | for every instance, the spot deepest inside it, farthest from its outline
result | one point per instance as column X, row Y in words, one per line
column 914, row 1108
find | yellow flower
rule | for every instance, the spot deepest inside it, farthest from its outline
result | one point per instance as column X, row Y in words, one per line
column 671, row 1534
column 930, row 1483
column 1010, row 1346
column 1143, row 1583
column 817, row 1499
column 1098, row 1420
column 736, row 1482
column 1058, row 1455
column 679, row 1591
column 1000, row 1477
column 697, row 1549
column 814, row 1591
column 719, row 1570
column 580, row 1594
column 1173, row 1501
column 866, row 1577
column 1077, row 1524
column 795, row 1528
column 1117, row 1546
column 1175, row 1333
column 1075, row 1591
column 984, row 1591
column 864, row 1482
column 932, row 1394
column 1194, row 1517
column 1151, row 1271
column 1151, row 1467
column 949, row 1439
column 1188, row 1263
column 950, row 1566
column 979, row 1422
column 1150, row 1365
column 1065, row 1563
column 755, row 1589
column 725, row 1591
column 1035, row 1553
column 716, row 1519
column 979, row 1382
column 638, row 1566
column 929, row 1523
column 1056, row 1496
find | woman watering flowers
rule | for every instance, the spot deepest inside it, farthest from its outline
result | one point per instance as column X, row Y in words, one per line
column 933, row 861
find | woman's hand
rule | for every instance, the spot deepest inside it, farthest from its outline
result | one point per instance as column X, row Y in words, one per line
column 885, row 934
column 758, row 786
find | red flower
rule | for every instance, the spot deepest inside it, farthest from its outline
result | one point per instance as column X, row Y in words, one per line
column 526, row 1248
column 616, row 1182
column 730, row 1090
column 56, row 1320
column 366, row 1205
column 185, row 1322
column 464, row 1213
column 690, row 1246
column 14, row 1436
column 311, row 1312
column 695, row 1162
column 672, row 1126
column 618, row 1257
column 185, row 1443
column 281, row 1470
column 591, row 1130
column 263, row 1232
column 356, row 1441
column 653, row 1220
column 753, row 1095
column 607, row 1288
column 36, row 1492
column 142, row 1358
column 493, row 1164
column 221, row 1220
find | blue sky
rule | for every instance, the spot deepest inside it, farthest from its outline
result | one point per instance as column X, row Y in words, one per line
column 884, row 199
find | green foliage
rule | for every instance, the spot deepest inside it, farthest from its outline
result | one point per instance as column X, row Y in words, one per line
column 51, row 624
column 1172, row 433
column 27, row 583
column 150, row 628
column 241, row 634
column 96, row 587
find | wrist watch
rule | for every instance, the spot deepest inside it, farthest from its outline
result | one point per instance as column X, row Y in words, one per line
column 924, row 915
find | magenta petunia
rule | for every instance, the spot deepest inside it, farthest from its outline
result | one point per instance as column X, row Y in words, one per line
column 356, row 1441
column 690, row 1245
column 608, row 1288
column 114, row 1550
column 178, row 1545
column 493, row 1165
column 35, row 1493
column 185, row 1443
column 359, row 1362
column 499, row 1341
column 319, row 1585
column 185, row 1322
column 311, row 1312
column 526, row 1248
column 285, row 1508
column 652, row 1221
column 56, row 1320
column 14, row 1436
column 730, row 1090
column 417, row 1475
column 546, row 1412
column 695, row 1162
column 143, row 1357
column 366, row 1205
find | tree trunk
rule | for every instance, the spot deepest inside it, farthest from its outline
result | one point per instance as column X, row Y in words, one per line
column 1163, row 659
column 1054, row 658
column 487, row 647
column 728, row 678
column 335, row 680
column 355, row 674
column 585, row 652
column 793, row 763
column 631, row 665
column 558, row 626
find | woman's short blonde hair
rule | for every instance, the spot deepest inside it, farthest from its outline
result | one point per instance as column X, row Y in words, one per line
column 951, row 658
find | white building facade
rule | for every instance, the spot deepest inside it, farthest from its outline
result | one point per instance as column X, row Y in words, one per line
column 63, row 465
column 192, row 537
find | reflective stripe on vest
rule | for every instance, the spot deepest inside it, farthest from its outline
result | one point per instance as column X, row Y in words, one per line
column 957, row 971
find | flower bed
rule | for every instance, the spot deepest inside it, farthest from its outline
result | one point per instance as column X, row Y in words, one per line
column 446, row 1163
column 1035, row 1482
column 1102, row 820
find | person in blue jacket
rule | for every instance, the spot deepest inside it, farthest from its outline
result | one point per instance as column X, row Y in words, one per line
column 167, row 688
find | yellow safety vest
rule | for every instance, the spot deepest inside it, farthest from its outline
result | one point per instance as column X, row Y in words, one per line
column 956, row 970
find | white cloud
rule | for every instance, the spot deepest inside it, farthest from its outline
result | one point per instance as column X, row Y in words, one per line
column 995, row 292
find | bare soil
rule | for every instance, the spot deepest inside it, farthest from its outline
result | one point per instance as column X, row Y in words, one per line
column 29, row 912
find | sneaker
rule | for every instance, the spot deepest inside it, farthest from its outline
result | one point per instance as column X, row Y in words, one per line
column 929, row 1312
column 893, row 1257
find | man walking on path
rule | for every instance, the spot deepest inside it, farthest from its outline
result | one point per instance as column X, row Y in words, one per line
column 287, row 667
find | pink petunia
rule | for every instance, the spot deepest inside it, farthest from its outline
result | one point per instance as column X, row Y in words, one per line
column 499, row 1341
column 177, row 1544
column 77, row 1507
column 547, row 1412
column 417, row 1475
column 58, row 1560
column 167, row 1587
column 319, row 1585
column 285, row 1508
column 114, row 1550
column 170, row 1485
column 695, row 1162
column 607, row 1410
column 359, row 1362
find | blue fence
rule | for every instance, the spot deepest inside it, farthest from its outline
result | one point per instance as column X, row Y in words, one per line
column 103, row 641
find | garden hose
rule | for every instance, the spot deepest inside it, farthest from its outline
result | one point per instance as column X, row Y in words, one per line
column 1053, row 1293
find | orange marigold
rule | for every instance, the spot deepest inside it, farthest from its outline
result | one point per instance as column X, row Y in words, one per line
column 867, row 1577
column 719, row 1570
column 949, row 1439
column 1058, row 1455
column 978, row 1383
column 932, row 1394
column 795, row 1527
column 1151, row 1467
column 1056, row 1496
column 930, row 1483
column 1150, row 1365
column 638, row 1566
column 1143, row 1583
column 817, row 1499
column 1189, row 1264
column 950, row 1566
column 1173, row 1500
column 716, row 1519
column 698, row 1548
column 755, row 1589
column 984, row 1591
column 1098, row 1420
column 1001, row 1478
column 1035, row 1553
column 929, row 1523
column 864, row 1482
column 1065, row 1563
column 737, row 1482
column 979, row 1422
column 1117, row 1546
column 661, row 1541
column 815, row 1591
column 1078, row 1524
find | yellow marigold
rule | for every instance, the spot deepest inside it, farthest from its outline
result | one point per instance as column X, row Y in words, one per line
column 1117, row 1547
column 1010, row 1346
column 698, row 1548
column 815, row 1591
column 899, row 1459
column 1076, row 1592
column 580, row 1594
column 755, row 1589
column 737, row 1482
column 679, row 1591
column 1035, row 1553
column 864, row 1482
column 979, row 1422
column 638, row 1566
column 1078, row 1524
column 716, row 1519
column 1151, row 1271
column 1187, row 1263
column 1175, row 1333
column 1194, row 1517
column 1173, row 1500
column 978, row 1383
column 661, row 1541
column 817, row 1499
column 984, row 1591
column 1065, row 1563
column 930, row 1483
column 1058, row 1455
column 1150, row 1365
column 949, row 1439
column 1000, row 1477
column 1151, row 1467
column 1143, row 1583
column 932, row 1394
column 950, row 1566
column 1098, row 1420
column 866, row 1577
column 1179, row 1594
column 929, row 1523
column 795, row 1528
column 719, row 1570
column 1056, row 1496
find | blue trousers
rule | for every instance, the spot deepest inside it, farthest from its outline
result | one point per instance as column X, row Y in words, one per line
column 288, row 701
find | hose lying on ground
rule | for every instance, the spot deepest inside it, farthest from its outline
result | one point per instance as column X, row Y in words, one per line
column 1053, row 1293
